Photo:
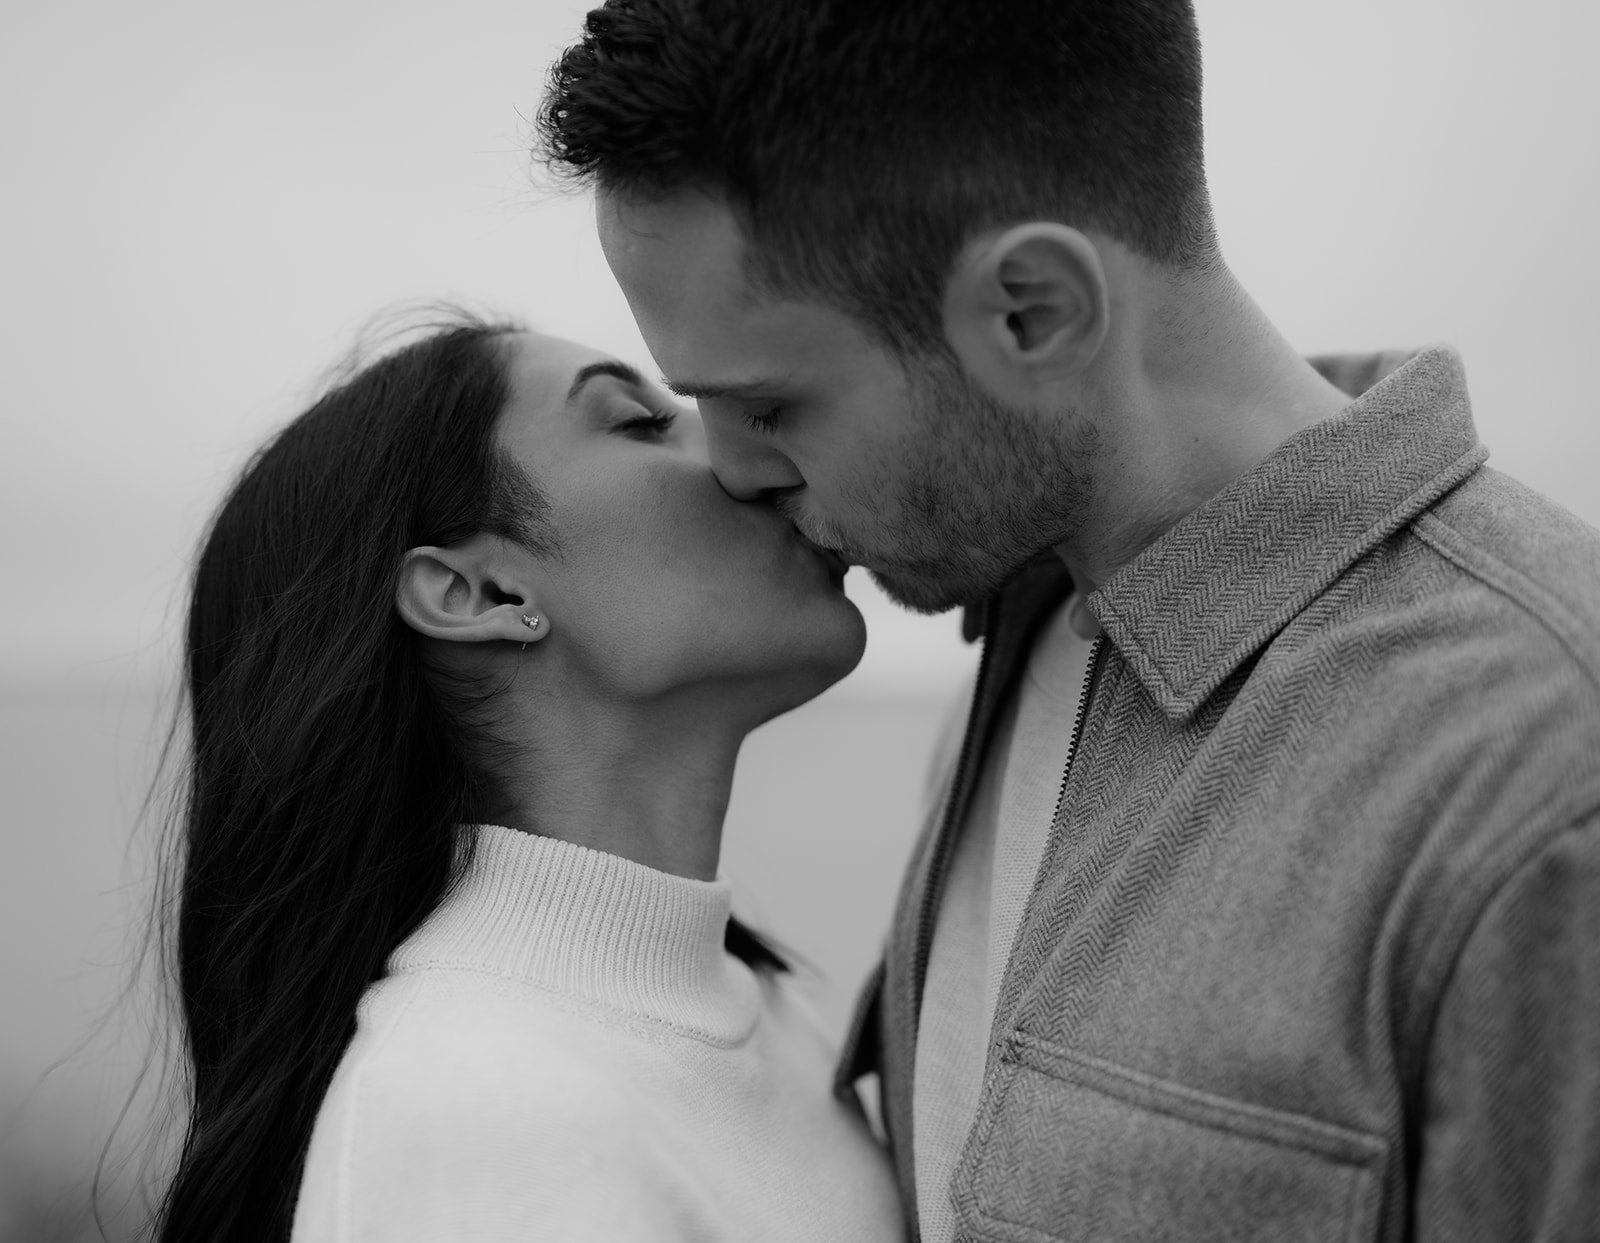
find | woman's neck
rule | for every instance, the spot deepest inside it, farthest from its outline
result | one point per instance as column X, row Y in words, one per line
column 646, row 781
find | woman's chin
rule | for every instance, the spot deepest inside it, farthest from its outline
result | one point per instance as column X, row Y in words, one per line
column 826, row 653
column 840, row 632
column 764, row 662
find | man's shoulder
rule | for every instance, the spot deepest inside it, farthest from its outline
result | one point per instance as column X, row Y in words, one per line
column 1473, row 632
column 1449, row 684
column 1485, row 601
column 1528, row 552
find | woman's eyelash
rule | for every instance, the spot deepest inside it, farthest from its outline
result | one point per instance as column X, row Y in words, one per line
column 766, row 423
column 653, row 421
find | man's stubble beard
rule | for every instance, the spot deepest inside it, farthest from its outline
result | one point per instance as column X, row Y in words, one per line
column 985, row 489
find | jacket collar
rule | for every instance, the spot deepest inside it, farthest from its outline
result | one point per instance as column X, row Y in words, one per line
column 1216, row 587
column 1208, row 594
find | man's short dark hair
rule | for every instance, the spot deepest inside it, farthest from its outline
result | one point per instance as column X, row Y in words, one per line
column 861, row 143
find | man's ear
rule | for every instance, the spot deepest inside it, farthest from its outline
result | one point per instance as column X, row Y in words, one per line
column 1027, row 307
column 470, row 592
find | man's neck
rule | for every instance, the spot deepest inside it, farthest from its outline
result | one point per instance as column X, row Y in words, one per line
column 1202, row 388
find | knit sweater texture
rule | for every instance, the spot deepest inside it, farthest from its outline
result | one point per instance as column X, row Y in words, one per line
column 565, row 1051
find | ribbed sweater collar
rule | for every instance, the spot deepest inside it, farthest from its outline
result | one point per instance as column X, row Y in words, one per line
column 593, row 926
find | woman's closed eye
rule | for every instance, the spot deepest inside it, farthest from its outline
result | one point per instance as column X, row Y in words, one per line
column 651, row 424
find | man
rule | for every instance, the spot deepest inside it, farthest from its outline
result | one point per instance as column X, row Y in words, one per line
column 1263, row 896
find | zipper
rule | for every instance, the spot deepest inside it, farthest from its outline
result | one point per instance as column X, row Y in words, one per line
column 1008, row 980
column 944, row 845
column 1078, row 723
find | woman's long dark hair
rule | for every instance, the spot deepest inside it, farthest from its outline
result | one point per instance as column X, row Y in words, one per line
column 328, row 762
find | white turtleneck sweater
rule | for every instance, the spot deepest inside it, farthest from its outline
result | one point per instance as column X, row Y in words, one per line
column 564, row 1051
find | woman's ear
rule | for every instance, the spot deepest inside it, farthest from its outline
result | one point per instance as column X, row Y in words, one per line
column 470, row 592
column 1027, row 307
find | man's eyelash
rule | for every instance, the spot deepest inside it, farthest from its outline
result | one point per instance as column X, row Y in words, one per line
column 766, row 423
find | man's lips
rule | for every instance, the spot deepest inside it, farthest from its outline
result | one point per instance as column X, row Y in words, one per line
column 837, row 565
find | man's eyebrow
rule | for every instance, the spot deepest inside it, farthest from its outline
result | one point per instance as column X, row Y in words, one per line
column 605, row 367
column 755, row 386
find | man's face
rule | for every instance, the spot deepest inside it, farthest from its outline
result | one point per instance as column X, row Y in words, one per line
column 900, row 466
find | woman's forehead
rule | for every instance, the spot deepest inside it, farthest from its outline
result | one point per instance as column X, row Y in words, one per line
column 541, row 370
column 542, row 367
column 547, row 374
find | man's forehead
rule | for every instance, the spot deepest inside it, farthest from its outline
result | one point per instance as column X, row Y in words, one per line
column 714, row 331
column 688, row 227
column 686, row 253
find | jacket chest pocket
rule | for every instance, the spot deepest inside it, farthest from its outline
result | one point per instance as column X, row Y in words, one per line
column 1068, row 1148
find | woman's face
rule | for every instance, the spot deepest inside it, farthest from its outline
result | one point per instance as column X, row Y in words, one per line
column 661, row 579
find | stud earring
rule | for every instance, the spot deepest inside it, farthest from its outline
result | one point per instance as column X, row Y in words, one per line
column 531, row 621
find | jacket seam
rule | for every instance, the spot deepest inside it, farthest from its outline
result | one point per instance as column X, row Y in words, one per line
column 1169, row 1096
column 1243, row 1119
column 1516, row 860
column 1520, row 590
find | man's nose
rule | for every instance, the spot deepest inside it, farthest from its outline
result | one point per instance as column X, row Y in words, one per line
column 747, row 463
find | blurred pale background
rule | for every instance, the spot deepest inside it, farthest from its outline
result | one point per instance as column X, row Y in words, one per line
column 204, row 201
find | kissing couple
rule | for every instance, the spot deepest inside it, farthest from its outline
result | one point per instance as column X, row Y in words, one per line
column 1259, row 898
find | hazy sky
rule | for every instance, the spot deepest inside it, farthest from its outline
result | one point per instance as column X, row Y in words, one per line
column 204, row 201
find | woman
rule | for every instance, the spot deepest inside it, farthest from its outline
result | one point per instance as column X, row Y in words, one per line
column 472, row 647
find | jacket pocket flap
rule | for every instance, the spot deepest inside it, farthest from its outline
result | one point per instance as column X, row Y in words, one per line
column 1069, row 1147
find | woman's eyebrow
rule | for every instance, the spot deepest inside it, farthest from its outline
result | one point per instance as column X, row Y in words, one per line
column 605, row 367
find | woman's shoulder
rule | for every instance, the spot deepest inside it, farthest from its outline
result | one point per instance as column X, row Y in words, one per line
column 465, row 1103
column 438, row 1045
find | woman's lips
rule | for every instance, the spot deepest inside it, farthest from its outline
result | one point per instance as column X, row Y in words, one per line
column 837, row 565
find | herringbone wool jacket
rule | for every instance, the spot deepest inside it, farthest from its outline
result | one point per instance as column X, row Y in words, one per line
column 1314, row 951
